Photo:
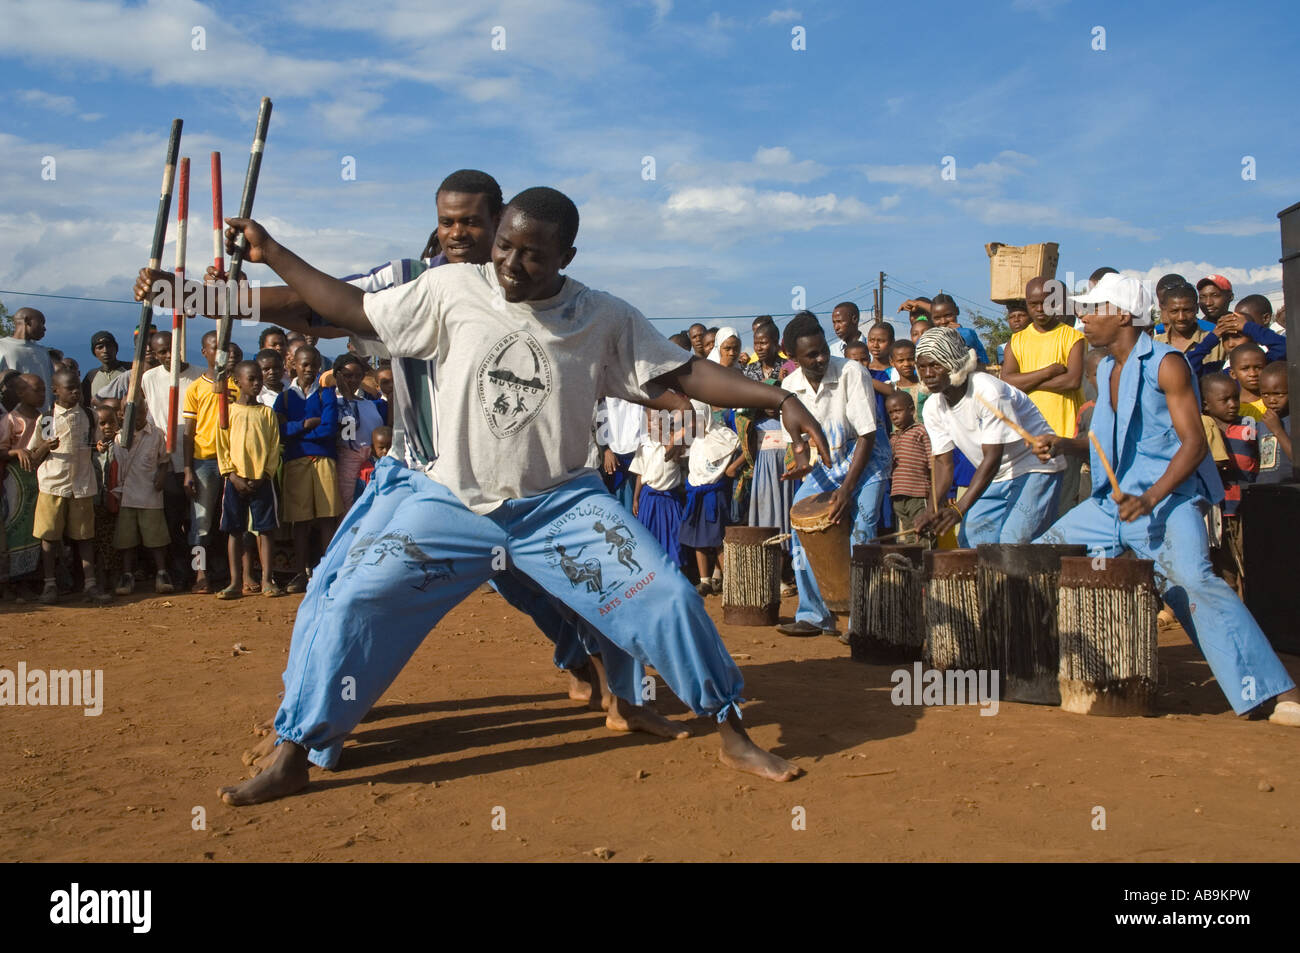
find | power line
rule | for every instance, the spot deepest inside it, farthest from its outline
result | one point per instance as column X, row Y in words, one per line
column 39, row 294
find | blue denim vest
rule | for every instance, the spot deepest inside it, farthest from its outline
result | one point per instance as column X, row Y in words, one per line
column 1141, row 441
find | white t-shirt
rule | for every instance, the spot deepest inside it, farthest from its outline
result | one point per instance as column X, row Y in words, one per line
column 970, row 425
column 845, row 405
column 515, row 384
column 655, row 469
column 267, row 396
column 155, row 384
column 624, row 425
column 709, row 454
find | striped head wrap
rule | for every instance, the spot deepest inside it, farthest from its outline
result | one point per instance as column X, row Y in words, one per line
column 945, row 346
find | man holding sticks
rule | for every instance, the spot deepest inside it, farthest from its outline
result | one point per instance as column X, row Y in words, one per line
column 1147, row 425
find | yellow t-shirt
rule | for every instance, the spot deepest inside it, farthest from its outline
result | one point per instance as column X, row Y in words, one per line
column 1254, row 408
column 201, row 406
column 1034, row 350
column 251, row 447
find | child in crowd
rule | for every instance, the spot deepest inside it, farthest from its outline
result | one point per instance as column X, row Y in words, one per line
column 385, row 377
column 359, row 415
column 27, row 392
column 1233, row 441
column 271, row 362
column 248, row 455
column 1274, row 428
column 1246, row 362
column 902, row 358
column 201, row 413
column 381, row 442
column 705, row 515
column 657, row 500
column 62, row 447
column 309, row 427
column 920, row 326
column 909, row 486
column 106, row 500
column 880, row 337
column 141, row 475
column 857, row 351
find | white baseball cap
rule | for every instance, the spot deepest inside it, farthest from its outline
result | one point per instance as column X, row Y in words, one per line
column 1127, row 294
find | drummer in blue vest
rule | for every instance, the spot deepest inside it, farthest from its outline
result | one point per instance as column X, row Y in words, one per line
column 1157, row 447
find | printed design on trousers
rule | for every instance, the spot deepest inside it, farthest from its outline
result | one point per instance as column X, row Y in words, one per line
column 514, row 381
column 403, row 547
column 610, row 578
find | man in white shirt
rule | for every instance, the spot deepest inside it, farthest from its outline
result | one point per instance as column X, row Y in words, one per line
column 1012, row 496
column 840, row 396
column 522, row 355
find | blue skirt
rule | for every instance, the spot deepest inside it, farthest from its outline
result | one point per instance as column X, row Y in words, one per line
column 660, row 511
column 770, row 497
column 705, row 518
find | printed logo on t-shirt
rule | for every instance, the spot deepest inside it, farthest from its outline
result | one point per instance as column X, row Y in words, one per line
column 514, row 381
column 597, row 554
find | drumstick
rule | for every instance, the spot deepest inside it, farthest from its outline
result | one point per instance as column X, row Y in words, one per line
column 1025, row 434
column 1110, row 474
column 146, row 306
column 178, row 303
column 901, row 532
column 237, row 258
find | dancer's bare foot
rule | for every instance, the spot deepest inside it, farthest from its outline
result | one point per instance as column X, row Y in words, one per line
column 739, row 752
column 256, row 756
column 265, row 728
column 624, row 716
column 582, row 684
column 285, row 773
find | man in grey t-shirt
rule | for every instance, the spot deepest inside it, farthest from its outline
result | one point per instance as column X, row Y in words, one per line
column 20, row 352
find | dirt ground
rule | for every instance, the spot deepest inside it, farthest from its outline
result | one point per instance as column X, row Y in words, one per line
column 479, row 728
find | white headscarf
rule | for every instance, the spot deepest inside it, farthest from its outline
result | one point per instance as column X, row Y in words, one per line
column 724, row 335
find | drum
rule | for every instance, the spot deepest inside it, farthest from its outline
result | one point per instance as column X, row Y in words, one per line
column 952, row 611
column 1106, row 615
column 1017, row 592
column 826, row 547
column 751, row 583
column 886, row 621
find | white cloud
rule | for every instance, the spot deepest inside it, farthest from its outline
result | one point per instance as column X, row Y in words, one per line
column 769, row 164
column 782, row 16
column 1242, row 278
column 1239, row 227
column 44, row 100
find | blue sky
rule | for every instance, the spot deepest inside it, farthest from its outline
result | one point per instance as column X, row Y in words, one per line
column 774, row 167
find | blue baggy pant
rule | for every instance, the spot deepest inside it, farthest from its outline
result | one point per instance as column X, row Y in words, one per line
column 1174, row 537
column 385, row 582
column 1013, row 511
column 865, row 512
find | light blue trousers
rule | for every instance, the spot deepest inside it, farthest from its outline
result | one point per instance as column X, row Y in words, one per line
column 1013, row 511
column 1174, row 537
column 393, row 571
column 865, row 511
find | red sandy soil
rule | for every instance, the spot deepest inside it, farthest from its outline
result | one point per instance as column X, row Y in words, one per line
column 480, row 720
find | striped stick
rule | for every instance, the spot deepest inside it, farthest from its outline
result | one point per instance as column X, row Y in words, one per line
column 155, row 261
column 237, row 260
column 178, row 305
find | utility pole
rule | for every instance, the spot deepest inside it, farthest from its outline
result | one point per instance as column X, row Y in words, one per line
column 875, row 305
column 880, row 298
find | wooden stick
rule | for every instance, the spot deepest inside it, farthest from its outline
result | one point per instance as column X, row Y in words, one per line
column 1025, row 434
column 901, row 532
column 237, row 258
column 219, row 260
column 155, row 260
column 178, row 305
column 1110, row 474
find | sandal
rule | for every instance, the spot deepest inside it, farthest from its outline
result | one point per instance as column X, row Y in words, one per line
column 297, row 584
column 230, row 592
column 272, row 591
column 201, row 589
column 252, row 588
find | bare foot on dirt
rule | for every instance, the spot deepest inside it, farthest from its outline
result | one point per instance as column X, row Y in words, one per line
column 739, row 752
column 285, row 773
column 265, row 728
column 255, row 757
column 624, row 716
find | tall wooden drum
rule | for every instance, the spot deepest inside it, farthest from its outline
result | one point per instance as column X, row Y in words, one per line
column 826, row 547
column 952, row 611
column 887, row 620
column 751, row 581
column 1018, row 589
column 1106, row 615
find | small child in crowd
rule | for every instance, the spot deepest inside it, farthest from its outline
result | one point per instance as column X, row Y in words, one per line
column 1274, row 428
column 62, row 447
column 1235, row 449
column 381, row 442
column 359, row 415
column 141, row 474
column 857, row 351
column 1247, row 362
column 271, row 361
column 248, row 455
column 880, row 337
column 657, row 499
column 909, row 482
column 902, row 358
column 309, row 427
